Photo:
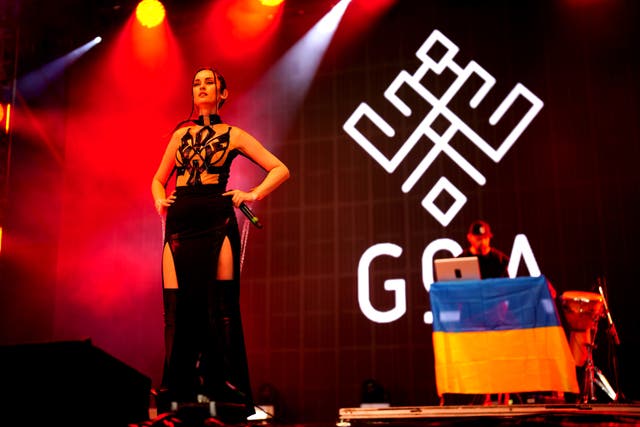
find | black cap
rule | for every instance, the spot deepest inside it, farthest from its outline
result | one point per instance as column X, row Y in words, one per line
column 480, row 228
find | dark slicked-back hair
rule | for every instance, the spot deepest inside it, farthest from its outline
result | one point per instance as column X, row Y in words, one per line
column 220, row 81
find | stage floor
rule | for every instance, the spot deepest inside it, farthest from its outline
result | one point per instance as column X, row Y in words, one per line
column 597, row 415
column 610, row 415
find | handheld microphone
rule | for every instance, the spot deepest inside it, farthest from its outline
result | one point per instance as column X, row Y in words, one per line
column 235, row 389
column 249, row 214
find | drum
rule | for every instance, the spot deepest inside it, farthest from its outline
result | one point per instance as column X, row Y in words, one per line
column 582, row 310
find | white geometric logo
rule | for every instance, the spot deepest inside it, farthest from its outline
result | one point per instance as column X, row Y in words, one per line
column 440, row 110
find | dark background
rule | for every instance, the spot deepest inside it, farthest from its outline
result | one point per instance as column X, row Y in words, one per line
column 570, row 184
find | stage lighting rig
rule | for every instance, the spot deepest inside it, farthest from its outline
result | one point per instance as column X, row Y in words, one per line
column 150, row 13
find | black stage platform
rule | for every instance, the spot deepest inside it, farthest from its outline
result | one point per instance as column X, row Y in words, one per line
column 610, row 415
column 598, row 415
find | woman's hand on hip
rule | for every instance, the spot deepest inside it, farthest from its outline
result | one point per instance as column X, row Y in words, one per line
column 162, row 204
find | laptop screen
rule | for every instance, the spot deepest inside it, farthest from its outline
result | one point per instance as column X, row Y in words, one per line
column 453, row 269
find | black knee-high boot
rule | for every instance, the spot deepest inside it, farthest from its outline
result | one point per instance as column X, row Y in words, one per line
column 169, row 297
column 226, row 371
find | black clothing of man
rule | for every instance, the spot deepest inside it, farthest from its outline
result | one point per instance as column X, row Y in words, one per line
column 493, row 264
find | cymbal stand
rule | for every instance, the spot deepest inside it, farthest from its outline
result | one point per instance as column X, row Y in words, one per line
column 613, row 334
column 592, row 375
column 588, row 388
column 612, row 326
column 602, row 382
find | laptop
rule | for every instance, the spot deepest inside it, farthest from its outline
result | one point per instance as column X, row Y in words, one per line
column 454, row 269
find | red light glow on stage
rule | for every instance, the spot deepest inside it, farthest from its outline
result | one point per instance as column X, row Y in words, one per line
column 579, row 3
column 371, row 8
column 150, row 46
column 122, row 109
column 240, row 29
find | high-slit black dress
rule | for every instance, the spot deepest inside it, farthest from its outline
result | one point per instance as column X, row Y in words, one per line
column 206, row 353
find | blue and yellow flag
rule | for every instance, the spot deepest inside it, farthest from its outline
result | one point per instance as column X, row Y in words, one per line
column 499, row 336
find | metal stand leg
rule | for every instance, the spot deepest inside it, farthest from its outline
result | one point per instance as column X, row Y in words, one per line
column 594, row 376
column 602, row 382
column 588, row 389
column 583, row 310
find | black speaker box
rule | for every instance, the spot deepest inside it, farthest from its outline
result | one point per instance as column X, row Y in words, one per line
column 70, row 383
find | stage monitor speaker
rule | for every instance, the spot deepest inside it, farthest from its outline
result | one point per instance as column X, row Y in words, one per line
column 70, row 383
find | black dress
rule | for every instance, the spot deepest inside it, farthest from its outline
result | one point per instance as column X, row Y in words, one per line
column 206, row 355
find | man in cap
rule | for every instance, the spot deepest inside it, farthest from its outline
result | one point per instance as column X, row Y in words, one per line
column 493, row 263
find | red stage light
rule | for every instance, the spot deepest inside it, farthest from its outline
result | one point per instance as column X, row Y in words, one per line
column 271, row 2
column 5, row 117
column 150, row 13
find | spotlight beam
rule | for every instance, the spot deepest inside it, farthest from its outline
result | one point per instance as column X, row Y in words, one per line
column 35, row 82
column 290, row 78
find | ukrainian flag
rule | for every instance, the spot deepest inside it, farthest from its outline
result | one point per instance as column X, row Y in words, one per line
column 499, row 336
